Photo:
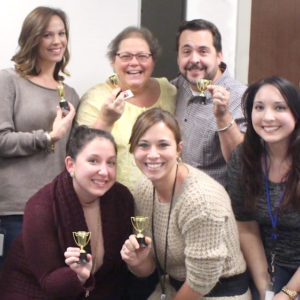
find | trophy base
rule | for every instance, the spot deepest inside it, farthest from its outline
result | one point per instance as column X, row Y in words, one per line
column 202, row 99
column 83, row 258
column 142, row 242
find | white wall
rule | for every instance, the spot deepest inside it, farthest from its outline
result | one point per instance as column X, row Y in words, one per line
column 232, row 17
column 93, row 24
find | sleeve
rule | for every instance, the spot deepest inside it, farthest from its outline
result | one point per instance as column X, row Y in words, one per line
column 13, row 143
column 42, row 249
column 236, row 93
column 234, row 187
column 205, row 248
column 168, row 95
column 90, row 105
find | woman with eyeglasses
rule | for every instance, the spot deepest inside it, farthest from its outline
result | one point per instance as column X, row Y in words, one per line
column 132, row 53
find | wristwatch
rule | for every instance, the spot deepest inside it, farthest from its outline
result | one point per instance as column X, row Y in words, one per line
column 292, row 294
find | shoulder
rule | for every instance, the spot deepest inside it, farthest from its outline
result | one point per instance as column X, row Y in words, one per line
column 96, row 93
column 235, row 158
column 235, row 87
column 179, row 81
column 168, row 92
column 8, row 75
column 42, row 199
column 203, row 195
column 72, row 94
column 120, row 195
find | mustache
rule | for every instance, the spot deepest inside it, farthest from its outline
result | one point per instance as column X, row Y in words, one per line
column 194, row 67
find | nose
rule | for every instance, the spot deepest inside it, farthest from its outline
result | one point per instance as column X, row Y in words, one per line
column 153, row 153
column 102, row 169
column 56, row 39
column 134, row 60
column 268, row 114
column 195, row 57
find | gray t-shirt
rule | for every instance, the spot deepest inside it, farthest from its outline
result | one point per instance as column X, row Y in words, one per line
column 287, row 246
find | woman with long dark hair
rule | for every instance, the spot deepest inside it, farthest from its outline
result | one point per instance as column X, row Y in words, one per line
column 264, row 185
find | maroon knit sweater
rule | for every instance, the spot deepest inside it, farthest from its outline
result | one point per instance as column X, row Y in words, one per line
column 35, row 267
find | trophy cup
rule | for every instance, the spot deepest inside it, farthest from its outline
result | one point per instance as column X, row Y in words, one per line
column 113, row 79
column 81, row 239
column 139, row 224
column 202, row 86
column 63, row 102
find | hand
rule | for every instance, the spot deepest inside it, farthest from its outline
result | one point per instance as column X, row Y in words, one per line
column 132, row 253
column 220, row 98
column 281, row 296
column 112, row 108
column 82, row 270
column 62, row 123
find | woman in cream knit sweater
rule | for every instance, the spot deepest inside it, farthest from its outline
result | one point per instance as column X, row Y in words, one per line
column 192, row 237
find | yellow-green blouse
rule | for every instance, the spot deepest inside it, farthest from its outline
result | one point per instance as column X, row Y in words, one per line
column 127, row 171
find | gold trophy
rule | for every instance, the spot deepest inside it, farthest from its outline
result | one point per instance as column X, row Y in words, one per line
column 202, row 86
column 139, row 224
column 63, row 103
column 81, row 239
column 113, row 79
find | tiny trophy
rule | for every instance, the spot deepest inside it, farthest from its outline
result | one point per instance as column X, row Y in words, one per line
column 202, row 86
column 113, row 79
column 63, row 103
column 81, row 239
column 139, row 224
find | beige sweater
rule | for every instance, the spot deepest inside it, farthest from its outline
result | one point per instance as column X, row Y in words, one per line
column 203, row 237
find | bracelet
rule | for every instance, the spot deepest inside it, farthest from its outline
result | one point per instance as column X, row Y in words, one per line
column 51, row 143
column 226, row 127
column 290, row 293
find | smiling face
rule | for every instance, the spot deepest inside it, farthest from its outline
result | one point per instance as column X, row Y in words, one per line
column 53, row 43
column 272, row 119
column 197, row 57
column 156, row 153
column 134, row 74
column 94, row 169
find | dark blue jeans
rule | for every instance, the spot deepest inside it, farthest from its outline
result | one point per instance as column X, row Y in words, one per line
column 11, row 227
column 282, row 277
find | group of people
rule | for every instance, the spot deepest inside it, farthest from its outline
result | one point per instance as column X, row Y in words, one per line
column 220, row 201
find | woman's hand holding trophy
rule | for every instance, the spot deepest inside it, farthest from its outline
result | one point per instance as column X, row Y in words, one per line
column 136, row 248
column 77, row 258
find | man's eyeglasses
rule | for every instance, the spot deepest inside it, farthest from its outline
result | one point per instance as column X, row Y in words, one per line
column 141, row 57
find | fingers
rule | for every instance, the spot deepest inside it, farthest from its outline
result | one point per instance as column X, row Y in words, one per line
column 219, row 92
column 72, row 255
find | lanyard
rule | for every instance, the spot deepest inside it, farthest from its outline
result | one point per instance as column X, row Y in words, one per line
column 274, row 218
column 162, row 272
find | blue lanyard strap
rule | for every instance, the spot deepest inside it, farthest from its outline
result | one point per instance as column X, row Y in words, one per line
column 274, row 218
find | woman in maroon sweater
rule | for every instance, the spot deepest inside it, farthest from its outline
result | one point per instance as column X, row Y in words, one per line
column 42, row 263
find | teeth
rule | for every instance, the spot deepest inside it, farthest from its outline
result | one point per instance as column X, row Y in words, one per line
column 154, row 166
column 268, row 129
column 134, row 72
column 55, row 50
column 99, row 182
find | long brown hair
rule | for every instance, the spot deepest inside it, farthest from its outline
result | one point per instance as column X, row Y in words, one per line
column 31, row 34
column 253, row 147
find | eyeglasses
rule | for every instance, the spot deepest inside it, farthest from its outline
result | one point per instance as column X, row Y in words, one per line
column 141, row 57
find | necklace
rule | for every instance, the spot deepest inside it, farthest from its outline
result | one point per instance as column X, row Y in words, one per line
column 162, row 272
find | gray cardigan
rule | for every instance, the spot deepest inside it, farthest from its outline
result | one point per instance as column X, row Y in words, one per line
column 27, row 111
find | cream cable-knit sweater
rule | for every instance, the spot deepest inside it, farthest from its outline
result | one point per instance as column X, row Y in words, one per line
column 203, row 237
